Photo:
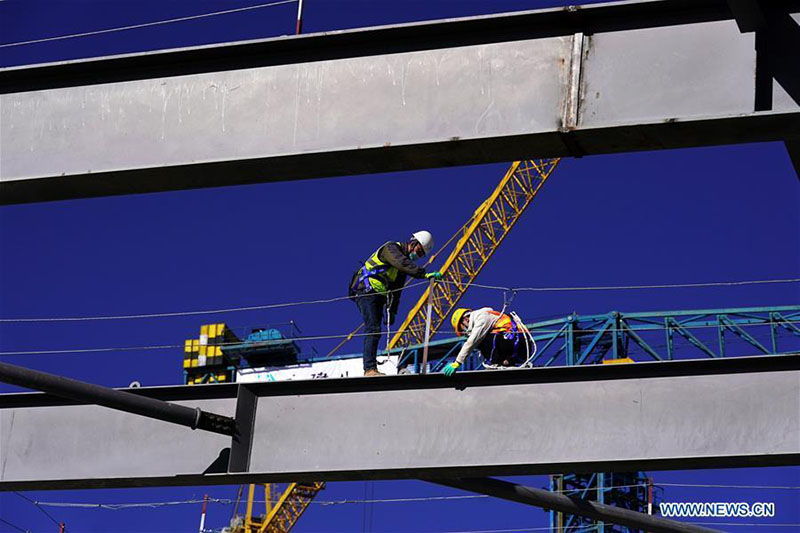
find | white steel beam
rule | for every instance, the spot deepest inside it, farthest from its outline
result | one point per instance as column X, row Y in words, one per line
column 601, row 78
column 662, row 415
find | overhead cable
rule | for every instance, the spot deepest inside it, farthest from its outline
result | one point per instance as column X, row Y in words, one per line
column 341, row 298
column 145, row 24
column 342, row 336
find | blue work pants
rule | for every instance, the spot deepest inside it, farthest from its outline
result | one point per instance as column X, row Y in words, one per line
column 372, row 308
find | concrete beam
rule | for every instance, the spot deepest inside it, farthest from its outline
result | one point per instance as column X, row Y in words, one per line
column 670, row 415
column 597, row 79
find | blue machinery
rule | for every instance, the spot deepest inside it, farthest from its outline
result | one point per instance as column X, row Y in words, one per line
column 592, row 339
column 659, row 335
column 666, row 335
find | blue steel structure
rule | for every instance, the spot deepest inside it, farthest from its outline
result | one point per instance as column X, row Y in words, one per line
column 592, row 339
column 627, row 490
column 660, row 335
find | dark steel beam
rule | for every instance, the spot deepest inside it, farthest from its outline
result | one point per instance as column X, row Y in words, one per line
column 570, row 505
column 122, row 401
column 793, row 147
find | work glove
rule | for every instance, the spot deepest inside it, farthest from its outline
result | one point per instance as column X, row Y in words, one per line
column 434, row 275
column 451, row 369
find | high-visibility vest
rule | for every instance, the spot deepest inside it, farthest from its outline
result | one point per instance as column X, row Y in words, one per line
column 377, row 273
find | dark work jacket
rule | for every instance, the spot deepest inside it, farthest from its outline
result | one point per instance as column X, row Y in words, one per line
column 393, row 254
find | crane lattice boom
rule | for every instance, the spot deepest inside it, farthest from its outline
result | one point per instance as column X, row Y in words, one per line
column 489, row 225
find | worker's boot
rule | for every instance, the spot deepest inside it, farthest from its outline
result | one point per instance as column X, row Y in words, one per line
column 372, row 372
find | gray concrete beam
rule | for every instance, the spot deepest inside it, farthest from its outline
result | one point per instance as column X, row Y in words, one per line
column 599, row 79
column 663, row 415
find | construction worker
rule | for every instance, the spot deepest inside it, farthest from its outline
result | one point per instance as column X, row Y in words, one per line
column 501, row 338
column 376, row 288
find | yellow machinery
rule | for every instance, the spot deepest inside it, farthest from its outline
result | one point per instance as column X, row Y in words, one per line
column 477, row 241
column 285, row 512
column 481, row 236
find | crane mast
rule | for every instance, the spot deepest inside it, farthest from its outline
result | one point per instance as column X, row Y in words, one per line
column 481, row 237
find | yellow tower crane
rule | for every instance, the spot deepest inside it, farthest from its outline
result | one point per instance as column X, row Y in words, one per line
column 281, row 515
column 478, row 239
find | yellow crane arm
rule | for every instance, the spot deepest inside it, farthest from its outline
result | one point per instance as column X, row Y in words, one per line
column 489, row 225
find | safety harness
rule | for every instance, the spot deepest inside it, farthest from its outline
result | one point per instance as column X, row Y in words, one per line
column 507, row 327
column 375, row 275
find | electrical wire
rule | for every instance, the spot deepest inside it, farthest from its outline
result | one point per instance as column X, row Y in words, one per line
column 193, row 313
column 48, row 515
column 413, row 499
column 341, row 298
column 145, row 24
column 635, row 287
column 759, row 487
column 9, row 524
column 654, row 327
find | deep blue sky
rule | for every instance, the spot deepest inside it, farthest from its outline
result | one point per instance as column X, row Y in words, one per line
column 712, row 214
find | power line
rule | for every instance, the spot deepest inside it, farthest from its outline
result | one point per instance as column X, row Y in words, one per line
column 638, row 287
column 144, row 25
column 413, row 499
column 9, row 524
column 341, row 298
column 48, row 515
column 609, row 330
column 759, row 487
column 192, row 313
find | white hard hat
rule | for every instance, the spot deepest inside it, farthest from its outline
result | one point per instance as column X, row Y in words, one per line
column 425, row 239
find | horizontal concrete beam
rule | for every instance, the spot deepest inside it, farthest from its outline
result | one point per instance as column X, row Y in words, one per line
column 559, row 82
column 669, row 415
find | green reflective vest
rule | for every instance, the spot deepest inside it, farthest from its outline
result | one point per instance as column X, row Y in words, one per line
column 378, row 273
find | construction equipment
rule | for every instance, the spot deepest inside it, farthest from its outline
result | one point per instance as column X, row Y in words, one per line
column 282, row 516
column 476, row 242
column 481, row 237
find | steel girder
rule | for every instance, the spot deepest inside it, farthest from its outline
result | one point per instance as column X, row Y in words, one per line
column 558, row 82
column 671, row 415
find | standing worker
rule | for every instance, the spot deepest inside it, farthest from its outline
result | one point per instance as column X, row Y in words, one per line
column 376, row 287
column 502, row 339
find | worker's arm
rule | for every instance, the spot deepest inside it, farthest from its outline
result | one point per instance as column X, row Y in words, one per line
column 392, row 254
column 480, row 324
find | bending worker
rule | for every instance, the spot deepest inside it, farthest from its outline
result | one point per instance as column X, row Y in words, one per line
column 376, row 288
column 501, row 338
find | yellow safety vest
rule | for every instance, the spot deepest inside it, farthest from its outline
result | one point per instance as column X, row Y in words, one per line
column 377, row 273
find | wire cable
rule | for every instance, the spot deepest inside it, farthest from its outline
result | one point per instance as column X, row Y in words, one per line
column 341, row 298
column 9, row 524
column 413, row 499
column 193, row 313
column 636, row 287
column 145, row 24
column 48, row 515
column 342, row 336
column 759, row 487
